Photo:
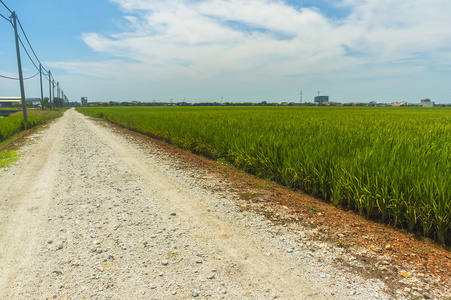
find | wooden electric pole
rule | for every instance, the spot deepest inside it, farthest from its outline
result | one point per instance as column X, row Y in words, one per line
column 19, row 64
column 53, row 93
column 42, row 91
column 50, row 90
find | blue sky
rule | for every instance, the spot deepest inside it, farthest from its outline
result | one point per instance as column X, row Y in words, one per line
column 241, row 50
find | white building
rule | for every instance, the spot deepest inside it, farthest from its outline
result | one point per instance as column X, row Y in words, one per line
column 16, row 101
column 426, row 103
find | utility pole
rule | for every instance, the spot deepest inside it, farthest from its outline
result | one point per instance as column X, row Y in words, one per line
column 42, row 91
column 64, row 98
column 53, row 92
column 301, row 96
column 50, row 90
column 58, row 89
column 19, row 64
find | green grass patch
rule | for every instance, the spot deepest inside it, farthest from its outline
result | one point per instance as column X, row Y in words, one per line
column 13, row 128
column 9, row 126
column 312, row 208
column 7, row 158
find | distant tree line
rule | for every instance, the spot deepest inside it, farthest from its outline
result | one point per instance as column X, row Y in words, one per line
column 158, row 103
column 262, row 103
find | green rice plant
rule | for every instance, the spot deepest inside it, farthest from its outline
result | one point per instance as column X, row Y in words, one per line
column 388, row 163
column 13, row 124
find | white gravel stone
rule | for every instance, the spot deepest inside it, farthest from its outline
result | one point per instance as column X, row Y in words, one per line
column 137, row 224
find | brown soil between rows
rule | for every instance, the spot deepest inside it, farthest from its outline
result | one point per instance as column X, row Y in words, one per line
column 347, row 229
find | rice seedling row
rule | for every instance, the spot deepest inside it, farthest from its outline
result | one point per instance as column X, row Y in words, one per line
column 13, row 124
column 387, row 163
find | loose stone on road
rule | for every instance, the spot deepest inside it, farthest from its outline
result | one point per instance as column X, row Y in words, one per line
column 91, row 214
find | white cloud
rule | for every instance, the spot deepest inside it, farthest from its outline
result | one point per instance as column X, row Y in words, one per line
column 393, row 30
column 112, row 69
column 201, row 36
column 205, row 43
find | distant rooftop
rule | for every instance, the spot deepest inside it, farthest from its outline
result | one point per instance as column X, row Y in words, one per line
column 18, row 99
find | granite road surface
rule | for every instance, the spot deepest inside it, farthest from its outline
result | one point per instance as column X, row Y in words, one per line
column 87, row 213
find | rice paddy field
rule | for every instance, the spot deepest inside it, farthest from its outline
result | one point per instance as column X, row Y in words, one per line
column 392, row 164
column 13, row 124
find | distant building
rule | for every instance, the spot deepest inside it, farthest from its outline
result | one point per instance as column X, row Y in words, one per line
column 426, row 103
column 84, row 101
column 396, row 104
column 330, row 103
column 9, row 101
column 321, row 99
column 16, row 101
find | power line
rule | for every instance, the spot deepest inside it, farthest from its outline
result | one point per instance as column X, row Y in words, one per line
column 32, row 76
column 25, row 49
column 23, row 46
column 40, row 68
column 5, row 18
column 29, row 44
column 19, row 66
column 46, row 76
column 13, row 78
column 5, row 6
column 2, row 76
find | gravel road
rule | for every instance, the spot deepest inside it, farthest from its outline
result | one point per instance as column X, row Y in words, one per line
column 89, row 214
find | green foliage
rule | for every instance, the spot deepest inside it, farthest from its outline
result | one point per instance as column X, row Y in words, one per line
column 7, row 157
column 387, row 163
column 58, row 102
column 12, row 125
